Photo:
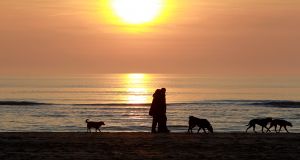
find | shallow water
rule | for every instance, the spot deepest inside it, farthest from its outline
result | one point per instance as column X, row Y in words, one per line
column 122, row 101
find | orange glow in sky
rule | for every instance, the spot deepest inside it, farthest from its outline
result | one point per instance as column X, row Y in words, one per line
column 210, row 37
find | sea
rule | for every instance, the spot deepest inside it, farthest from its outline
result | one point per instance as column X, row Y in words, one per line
column 122, row 101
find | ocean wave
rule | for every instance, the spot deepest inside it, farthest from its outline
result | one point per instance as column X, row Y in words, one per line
column 135, row 104
column 280, row 104
column 22, row 103
column 113, row 104
column 265, row 103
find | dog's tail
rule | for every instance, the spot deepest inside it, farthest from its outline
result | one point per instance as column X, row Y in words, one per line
column 87, row 120
column 247, row 124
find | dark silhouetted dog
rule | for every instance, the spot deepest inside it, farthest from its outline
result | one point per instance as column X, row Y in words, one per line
column 96, row 125
column 262, row 122
column 201, row 123
column 281, row 123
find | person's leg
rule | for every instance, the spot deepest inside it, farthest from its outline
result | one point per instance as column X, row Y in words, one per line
column 154, row 123
column 160, row 124
column 164, row 124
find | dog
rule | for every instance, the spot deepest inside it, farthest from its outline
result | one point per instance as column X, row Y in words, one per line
column 281, row 123
column 262, row 122
column 96, row 125
column 201, row 123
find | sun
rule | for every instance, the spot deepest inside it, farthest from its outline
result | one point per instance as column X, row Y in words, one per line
column 135, row 16
column 137, row 11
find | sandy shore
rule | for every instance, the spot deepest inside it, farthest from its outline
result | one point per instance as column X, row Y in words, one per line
column 216, row 146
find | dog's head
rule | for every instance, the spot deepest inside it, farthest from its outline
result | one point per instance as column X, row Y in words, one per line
column 210, row 129
column 269, row 119
column 101, row 123
column 192, row 117
column 289, row 124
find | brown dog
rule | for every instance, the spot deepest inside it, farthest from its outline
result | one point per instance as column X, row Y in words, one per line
column 96, row 125
column 263, row 122
column 201, row 123
column 281, row 123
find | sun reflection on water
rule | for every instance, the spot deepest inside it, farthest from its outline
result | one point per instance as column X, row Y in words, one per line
column 137, row 88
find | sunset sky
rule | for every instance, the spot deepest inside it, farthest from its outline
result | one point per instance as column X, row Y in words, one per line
column 227, row 37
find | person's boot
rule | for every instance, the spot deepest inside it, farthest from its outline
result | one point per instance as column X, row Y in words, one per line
column 160, row 129
column 167, row 131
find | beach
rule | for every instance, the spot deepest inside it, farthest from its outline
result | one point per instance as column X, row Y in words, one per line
column 80, row 145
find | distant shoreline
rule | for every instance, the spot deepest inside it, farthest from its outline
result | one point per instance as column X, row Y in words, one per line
column 143, row 145
column 263, row 103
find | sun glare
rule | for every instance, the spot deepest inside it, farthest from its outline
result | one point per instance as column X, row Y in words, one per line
column 137, row 11
column 136, row 76
column 137, row 89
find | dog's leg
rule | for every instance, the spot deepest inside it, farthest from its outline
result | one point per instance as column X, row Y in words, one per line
column 190, row 130
column 191, row 126
column 275, row 128
column 204, row 130
column 271, row 125
column 280, row 129
column 199, row 129
column 268, row 130
column 254, row 129
column 286, row 129
column 262, row 129
column 248, row 128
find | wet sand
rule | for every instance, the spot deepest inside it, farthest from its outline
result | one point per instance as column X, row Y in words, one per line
column 217, row 146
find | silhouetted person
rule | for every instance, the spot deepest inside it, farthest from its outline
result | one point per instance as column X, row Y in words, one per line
column 154, row 109
column 158, row 111
column 162, row 123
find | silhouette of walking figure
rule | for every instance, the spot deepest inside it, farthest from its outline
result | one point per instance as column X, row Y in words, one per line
column 158, row 111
